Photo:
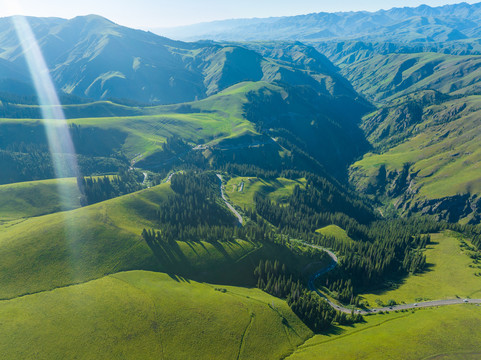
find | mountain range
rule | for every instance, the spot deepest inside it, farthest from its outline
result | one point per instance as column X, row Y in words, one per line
column 299, row 98
column 404, row 25
column 227, row 187
column 92, row 57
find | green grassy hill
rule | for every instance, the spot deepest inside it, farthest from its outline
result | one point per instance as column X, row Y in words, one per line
column 95, row 133
column 451, row 332
column 228, row 127
column 144, row 315
column 335, row 232
column 28, row 199
column 36, row 198
column 241, row 190
column 56, row 250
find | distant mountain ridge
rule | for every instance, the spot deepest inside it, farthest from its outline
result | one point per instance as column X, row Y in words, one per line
column 232, row 99
column 411, row 25
column 92, row 57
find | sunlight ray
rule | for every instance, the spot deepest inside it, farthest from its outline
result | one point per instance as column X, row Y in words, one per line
column 60, row 142
column 63, row 155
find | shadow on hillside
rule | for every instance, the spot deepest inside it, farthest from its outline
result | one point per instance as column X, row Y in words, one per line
column 395, row 283
column 177, row 261
column 220, row 248
column 334, row 330
column 192, row 248
column 179, row 278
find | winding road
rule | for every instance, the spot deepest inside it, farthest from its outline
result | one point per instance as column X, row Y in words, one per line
column 334, row 263
column 170, row 177
column 231, row 208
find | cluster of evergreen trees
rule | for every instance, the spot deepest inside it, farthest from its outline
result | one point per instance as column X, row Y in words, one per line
column 195, row 212
column 473, row 231
column 196, row 202
column 25, row 166
column 342, row 290
column 321, row 203
column 381, row 249
column 169, row 233
column 14, row 111
column 21, row 162
column 272, row 277
column 95, row 190
column 477, row 241
column 275, row 279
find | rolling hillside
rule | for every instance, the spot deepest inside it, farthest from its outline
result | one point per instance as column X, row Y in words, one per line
column 409, row 335
column 22, row 200
column 145, row 315
column 330, row 167
column 64, row 248
column 238, row 123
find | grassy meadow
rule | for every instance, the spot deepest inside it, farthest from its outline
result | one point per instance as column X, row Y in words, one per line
column 241, row 190
column 451, row 332
column 35, row 198
column 448, row 275
column 144, row 315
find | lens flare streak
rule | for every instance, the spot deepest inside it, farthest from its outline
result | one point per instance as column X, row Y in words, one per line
column 60, row 142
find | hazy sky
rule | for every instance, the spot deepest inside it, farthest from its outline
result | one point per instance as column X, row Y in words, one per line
column 168, row 13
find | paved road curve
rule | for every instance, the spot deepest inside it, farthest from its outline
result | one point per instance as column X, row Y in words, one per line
column 334, row 263
column 231, row 208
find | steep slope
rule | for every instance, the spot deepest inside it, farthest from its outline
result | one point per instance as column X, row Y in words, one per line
column 320, row 126
column 384, row 77
column 434, row 169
